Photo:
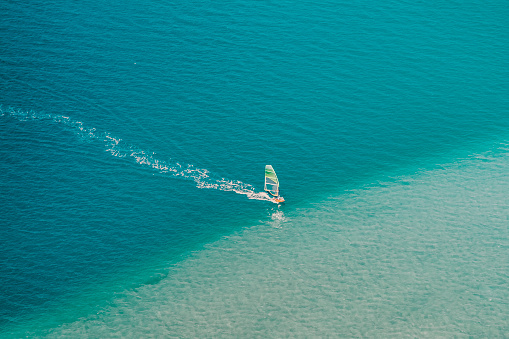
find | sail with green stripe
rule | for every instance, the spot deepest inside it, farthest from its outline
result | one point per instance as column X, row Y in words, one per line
column 271, row 182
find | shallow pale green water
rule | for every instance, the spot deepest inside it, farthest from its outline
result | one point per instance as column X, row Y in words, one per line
column 424, row 255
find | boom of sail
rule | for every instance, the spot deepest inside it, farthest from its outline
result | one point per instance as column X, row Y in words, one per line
column 271, row 182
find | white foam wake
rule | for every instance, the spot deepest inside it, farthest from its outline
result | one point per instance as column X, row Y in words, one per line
column 119, row 148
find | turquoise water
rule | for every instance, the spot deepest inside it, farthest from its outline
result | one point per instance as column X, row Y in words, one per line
column 133, row 139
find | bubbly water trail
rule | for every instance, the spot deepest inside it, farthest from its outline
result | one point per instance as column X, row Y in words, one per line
column 121, row 149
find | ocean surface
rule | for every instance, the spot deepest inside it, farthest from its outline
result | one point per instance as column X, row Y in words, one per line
column 133, row 141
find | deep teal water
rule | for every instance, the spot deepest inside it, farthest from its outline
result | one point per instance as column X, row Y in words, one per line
column 127, row 130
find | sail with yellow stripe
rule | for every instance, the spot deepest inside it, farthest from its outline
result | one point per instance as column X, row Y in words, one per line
column 272, row 183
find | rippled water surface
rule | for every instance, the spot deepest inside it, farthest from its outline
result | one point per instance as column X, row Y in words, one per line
column 133, row 139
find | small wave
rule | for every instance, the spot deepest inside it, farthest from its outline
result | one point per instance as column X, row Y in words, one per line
column 121, row 149
column 278, row 218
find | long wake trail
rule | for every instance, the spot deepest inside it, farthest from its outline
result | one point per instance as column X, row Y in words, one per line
column 121, row 149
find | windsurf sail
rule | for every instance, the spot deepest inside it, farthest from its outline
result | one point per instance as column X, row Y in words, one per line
column 271, row 182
